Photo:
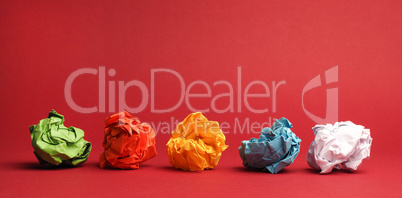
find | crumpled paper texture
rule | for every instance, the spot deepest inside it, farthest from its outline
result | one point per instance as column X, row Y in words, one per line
column 343, row 144
column 56, row 144
column 276, row 148
column 127, row 142
column 196, row 144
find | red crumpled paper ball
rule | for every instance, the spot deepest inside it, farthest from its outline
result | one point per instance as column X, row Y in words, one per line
column 127, row 142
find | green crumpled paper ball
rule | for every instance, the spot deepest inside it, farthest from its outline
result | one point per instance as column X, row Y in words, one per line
column 56, row 144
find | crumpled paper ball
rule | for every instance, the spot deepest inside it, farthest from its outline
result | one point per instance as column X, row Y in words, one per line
column 342, row 144
column 56, row 144
column 196, row 144
column 127, row 142
column 276, row 148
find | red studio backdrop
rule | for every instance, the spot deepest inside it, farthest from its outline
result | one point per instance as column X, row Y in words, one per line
column 166, row 51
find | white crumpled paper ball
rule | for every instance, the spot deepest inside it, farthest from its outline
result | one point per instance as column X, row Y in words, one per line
column 342, row 144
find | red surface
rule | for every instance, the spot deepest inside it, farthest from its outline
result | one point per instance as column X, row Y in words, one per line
column 43, row 42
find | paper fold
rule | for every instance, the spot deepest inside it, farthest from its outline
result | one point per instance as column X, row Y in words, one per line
column 276, row 148
column 342, row 145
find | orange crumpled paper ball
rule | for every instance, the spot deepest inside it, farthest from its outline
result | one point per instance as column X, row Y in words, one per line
column 127, row 142
column 196, row 144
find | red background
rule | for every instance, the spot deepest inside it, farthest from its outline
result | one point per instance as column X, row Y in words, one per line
column 43, row 42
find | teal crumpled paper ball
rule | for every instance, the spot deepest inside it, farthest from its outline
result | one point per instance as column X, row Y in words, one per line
column 56, row 144
column 276, row 148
